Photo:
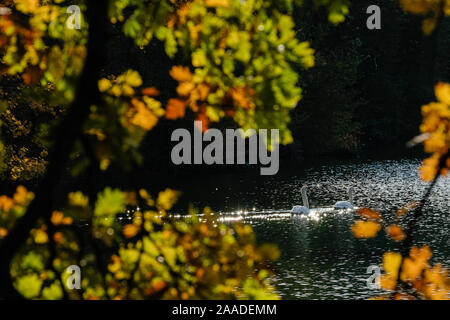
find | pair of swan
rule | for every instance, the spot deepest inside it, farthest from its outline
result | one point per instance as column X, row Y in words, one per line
column 338, row 205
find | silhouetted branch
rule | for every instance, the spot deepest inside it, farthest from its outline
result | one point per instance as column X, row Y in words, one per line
column 413, row 223
column 418, row 212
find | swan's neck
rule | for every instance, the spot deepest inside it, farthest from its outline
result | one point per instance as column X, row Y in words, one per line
column 305, row 198
column 350, row 195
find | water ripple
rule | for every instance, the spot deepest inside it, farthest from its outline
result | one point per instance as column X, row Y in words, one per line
column 320, row 257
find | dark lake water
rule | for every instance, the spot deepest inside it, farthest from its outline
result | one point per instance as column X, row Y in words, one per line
column 320, row 258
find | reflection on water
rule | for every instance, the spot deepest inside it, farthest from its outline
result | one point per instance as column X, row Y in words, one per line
column 320, row 257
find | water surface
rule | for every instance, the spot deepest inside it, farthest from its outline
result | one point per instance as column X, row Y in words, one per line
column 320, row 258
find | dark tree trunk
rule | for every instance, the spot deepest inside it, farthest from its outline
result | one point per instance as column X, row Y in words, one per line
column 66, row 134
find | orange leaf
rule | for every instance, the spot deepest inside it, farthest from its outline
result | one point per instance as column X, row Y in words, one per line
column 143, row 117
column 21, row 195
column 175, row 109
column 401, row 296
column 416, row 263
column 203, row 91
column 411, row 269
column 58, row 237
column 58, row 218
column 365, row 229
column 205, row 121
column 150, row 91
column 3, row 233
column 6, row 203
column 130, row 230
column 369, row 214
column 31, row 76
column 395, row 232
column 185, row 88
column 181, row 74
column 217, row 3
column 199, row 274
column 387, row 282
column 158, row 285
column 423, row 253
column 242, row 96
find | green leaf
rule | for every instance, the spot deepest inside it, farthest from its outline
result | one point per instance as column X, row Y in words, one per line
column 109, row 203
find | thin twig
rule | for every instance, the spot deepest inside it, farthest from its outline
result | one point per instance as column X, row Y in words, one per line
column 413, row 223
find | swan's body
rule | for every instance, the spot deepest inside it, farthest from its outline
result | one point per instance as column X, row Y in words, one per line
column 302, row 209
column 346, row 204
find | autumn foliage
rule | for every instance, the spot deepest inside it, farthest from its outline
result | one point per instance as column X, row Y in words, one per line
column 243, row 60
column 157, row 256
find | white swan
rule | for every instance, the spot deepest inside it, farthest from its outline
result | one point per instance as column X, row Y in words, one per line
column 346, row 204
column 305, row 208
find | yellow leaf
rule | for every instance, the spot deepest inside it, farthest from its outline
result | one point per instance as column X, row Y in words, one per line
column 421, row 7
column 133, row 78
column 104, row 85
column 442, row 92
column 167, row 198
column 185, row 88
column 78, row 199
column 380, row 298
column 127, row 90
column 115, row 266
column 391, row 263
column 428, row 25
column 146, row 196
column 40, row 236
column 116, row 90
column 217, row 3
column 27, row 6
